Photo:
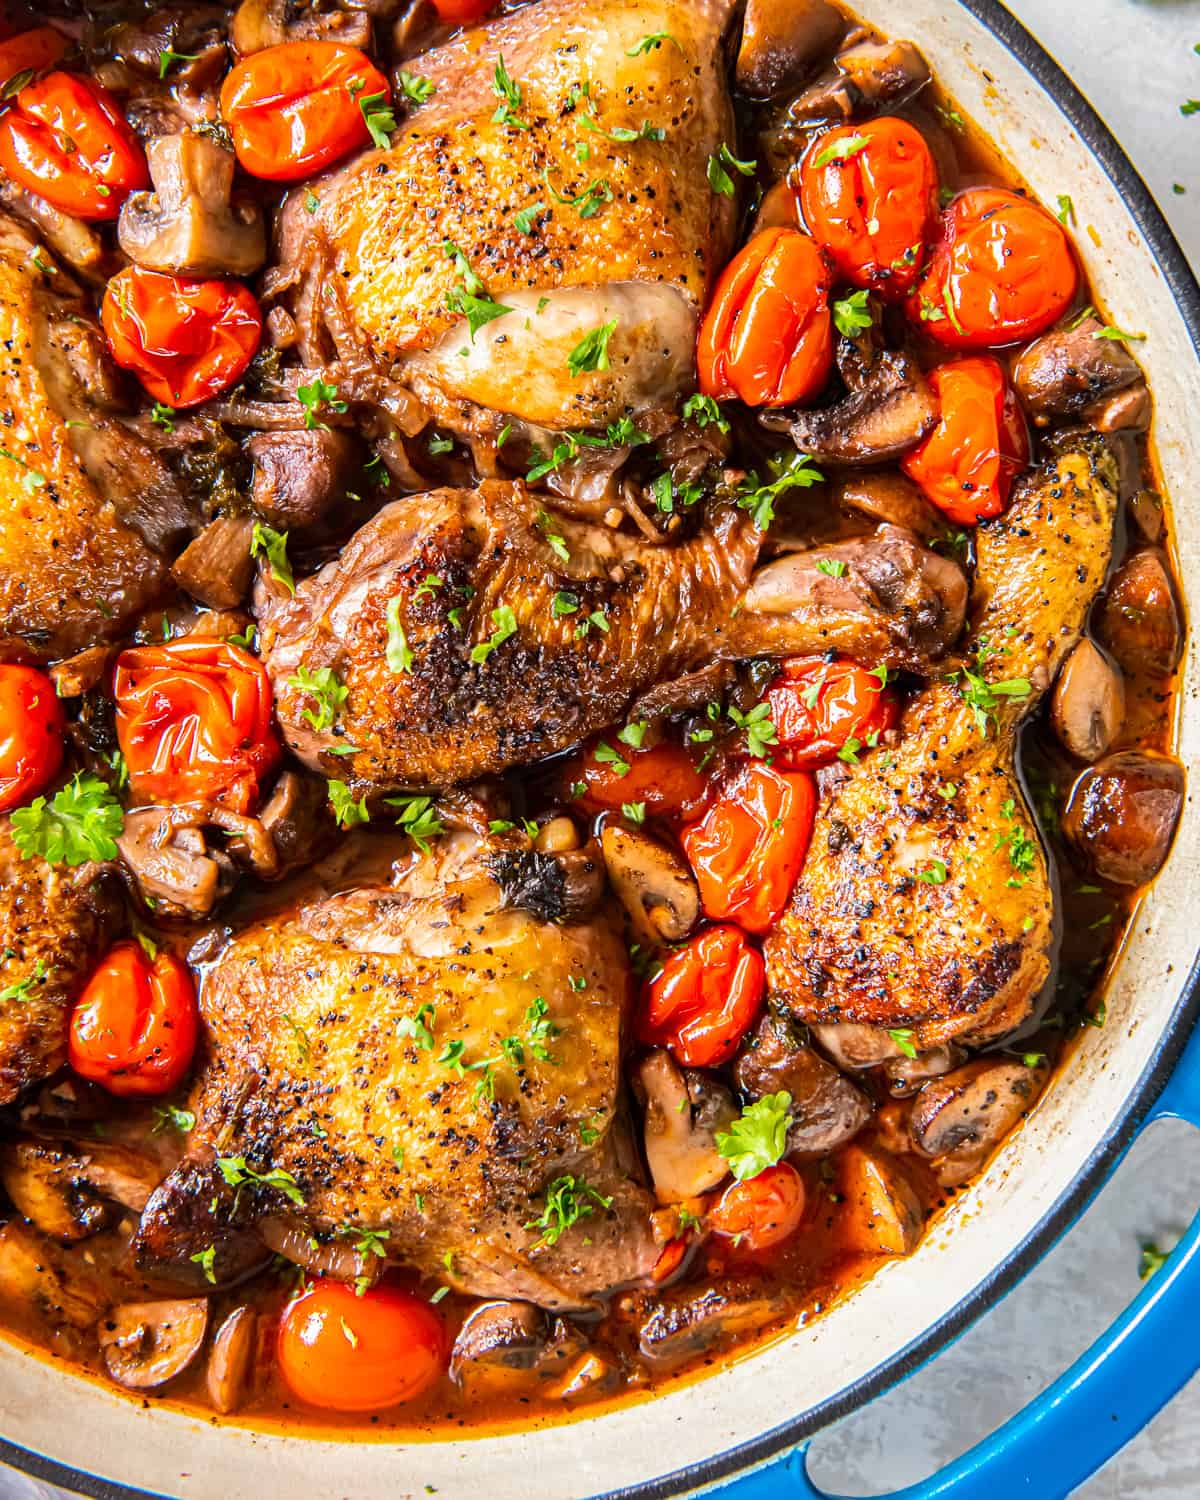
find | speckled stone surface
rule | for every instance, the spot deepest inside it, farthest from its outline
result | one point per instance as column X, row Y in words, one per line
column 1135, row 60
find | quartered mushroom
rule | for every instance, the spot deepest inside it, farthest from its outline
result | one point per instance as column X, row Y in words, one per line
column 864, row 77
column 882, row 1214
column 258, row 24
column 1088, row 706
column 1140, row 621
column 71, row 1191
column 1069, row 369
column 591, row 1375
column 959, row 1120
column 783, row 41
column 689, row 1320
column 1122, row 814
column 684, row 1112
column 217, row 566
column 652, row 882
column 230, row 1358
column 826, row 1110
column 145, row 1344
column 36, row 1274
column 886, row 495
column 192, row 223
column 504, row 1347
column 853, row 1045
column 905, row 1075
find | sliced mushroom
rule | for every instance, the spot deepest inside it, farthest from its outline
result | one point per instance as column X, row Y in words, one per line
column 505, row 1348
column 683, row 1116
column 230, row 1357
column 652, row 883
column 782, row 41
column 826, row 1111
column 905, row 1075
column 1124, row 411
column 82, row 672
column 1122, row 814
column 864, row 77
column 1088, row 707
column 192, row 223
column 854, row 1046
column 690, row 1320
column 882, row 1213
column 1140, row 621
column 299, row 476
column 69, row 1191
column 890, row 407
column 70, row 239
column 959, row 1120
column 34, row 1274
column 889, row 496
column 591, row 1375
column 294, row 819
column 258, row 24
column 217, row 566
column 145, row 1344
column 168, row 857
column 1070, row 368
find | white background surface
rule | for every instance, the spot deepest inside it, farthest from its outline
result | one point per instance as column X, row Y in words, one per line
column 1135, row 60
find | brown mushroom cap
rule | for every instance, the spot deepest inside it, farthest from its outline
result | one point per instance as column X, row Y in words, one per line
column 827, row 1109
column 683, row 1116
column 782, row 40
column 229, row 1359
column 1088, row 706
column 959, row 1120
column 1140, row 622
column 68, row 1190
column 652, row 883
column 882, row 1214
column 506, row 1347
column 145, row 1344
column 1122, row 814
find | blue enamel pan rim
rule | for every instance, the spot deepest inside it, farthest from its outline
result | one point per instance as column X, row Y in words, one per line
column 1184, row 287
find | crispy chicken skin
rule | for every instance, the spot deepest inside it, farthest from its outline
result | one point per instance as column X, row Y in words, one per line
column 72, row 571
column 925, row 901
column 449, row 717
column 53, row 922
column 319, row 1065
column 644, row 250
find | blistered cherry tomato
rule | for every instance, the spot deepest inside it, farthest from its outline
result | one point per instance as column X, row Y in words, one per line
column 351, row 1353
column 1002, row 270
column 65, row 139
column 31, row 734
column 705, row 998
column 822, row 708
column 869, row 197
column 133, row 1030
column 186, row 339
column 29, row 52
column 967, row 463
column 748, row 847
column 299, row 107
column 767, row 337
column 462, row 12
column 194, row 721
column 664, row 777
column 762, row 1211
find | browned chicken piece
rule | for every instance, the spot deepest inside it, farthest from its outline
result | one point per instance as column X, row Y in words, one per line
column 925, row 902
column 83, row 508
column 53, row 924
column 430, row 1064
column 537, row 631
column 633, row 235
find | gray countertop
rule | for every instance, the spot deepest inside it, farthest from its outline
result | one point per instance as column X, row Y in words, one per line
column 1135, row 60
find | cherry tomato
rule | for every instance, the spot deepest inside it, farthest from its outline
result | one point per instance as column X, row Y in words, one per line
column 821, row 707
column 297, row 108
column 134, row 1028
column 762, row 1211
column 194, row 721
column 1002, row 270
column 664, row 777
column 967, row 463
column 351, row 1353
column 869, row 196
column 66, row 140
column 28, row 52
column 185, row 339
column 31, row 734
column 462, row 12
column 767, row 337
column 748, row 847
column 705, row 998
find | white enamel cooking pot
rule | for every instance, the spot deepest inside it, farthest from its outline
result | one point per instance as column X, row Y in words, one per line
column 739, row 1421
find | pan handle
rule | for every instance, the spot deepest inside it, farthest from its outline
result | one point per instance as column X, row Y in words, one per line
column 1107, row 1396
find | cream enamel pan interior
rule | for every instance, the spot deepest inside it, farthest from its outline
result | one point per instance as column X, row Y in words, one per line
column 758, row 1406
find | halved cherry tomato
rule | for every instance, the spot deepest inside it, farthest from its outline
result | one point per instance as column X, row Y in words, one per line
column 967, row 463
column 762, row 1211
column 869, row 197
column 28, row 52
column 299, row 107
column 133, row 1030
column 185, row 339
column 767, row 337
column 821, row 708
column 664, row 777
column 31, row 734
column 705, row 998
column 1002, row 270
column 194, row 721
column 748, row 847
column 65, row 139
column 350, row 1353
column 462, row 12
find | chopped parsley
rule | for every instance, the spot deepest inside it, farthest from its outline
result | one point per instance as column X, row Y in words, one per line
column 167, row 1116
column 591, row 352
column 509, row 94
column 568, row 1199
column 831, row 567
column 607, row 756
column 504, row 626
column 634, row 811
column 163, row 416
column 841, row 151
column 22, row 989
column 416, row 90
column 327, row 691
column 1066, row 209
column 167, row 59
column 416, row 1028
column 589, row 202
column 540, row 1029
column 345, row 809
column 418, row 818
column 266, row 541
column 718, row 176
column 316, row 394
column 759, row 728
column 935, row 874
column 469, row 297
column 398, row 653
column 524, row 217
column 650, row 41
column 205, row 1258
column 758, row 1139
column 902, row 1036
column 1118, row 335
column 704, row 411
column 81, row 823
column 1151, row 1260
column 795, row 472
column 851, row 314
column 237, row 1174
column 565, row 603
